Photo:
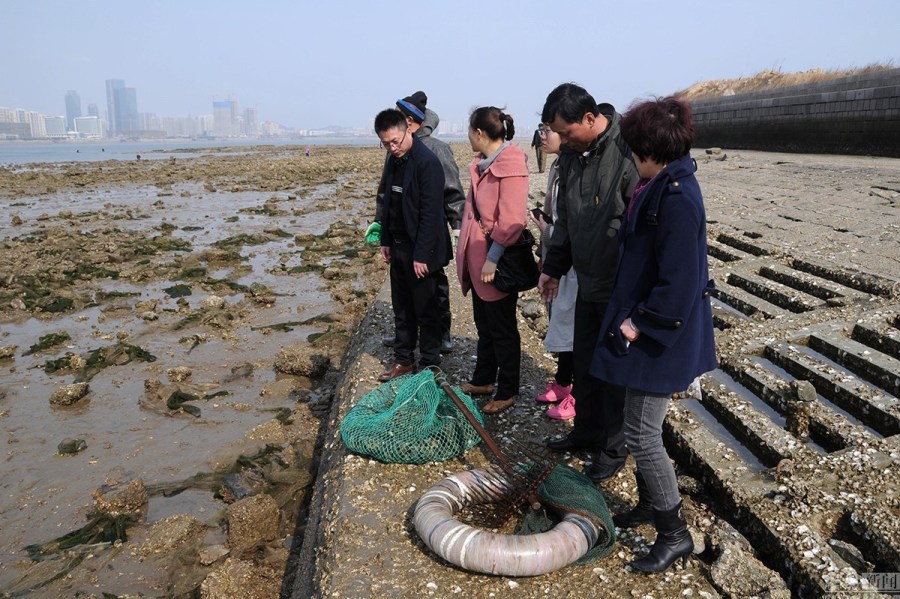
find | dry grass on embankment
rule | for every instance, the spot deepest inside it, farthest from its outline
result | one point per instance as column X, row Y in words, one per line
column 770, row 79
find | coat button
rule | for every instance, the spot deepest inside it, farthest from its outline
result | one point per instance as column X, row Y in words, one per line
column 675, row 184
column 612, row 335
column 641, row 311
column 677, row 323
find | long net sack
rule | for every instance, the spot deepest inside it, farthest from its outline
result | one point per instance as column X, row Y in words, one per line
column 410, row 420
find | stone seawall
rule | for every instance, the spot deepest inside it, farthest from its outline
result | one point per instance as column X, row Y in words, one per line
column 859, row 114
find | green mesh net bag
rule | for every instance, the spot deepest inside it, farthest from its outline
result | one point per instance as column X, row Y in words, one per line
column 568, row 490
column 410, row 420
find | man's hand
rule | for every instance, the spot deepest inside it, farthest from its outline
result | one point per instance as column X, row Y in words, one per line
column 549, row 287
column 386, row 253
column 488, row 271
column 421, row 269
column 454, row 238
column 373, row 234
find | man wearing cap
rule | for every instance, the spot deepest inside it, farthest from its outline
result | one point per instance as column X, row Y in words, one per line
column 422, row 121
column 414, row 241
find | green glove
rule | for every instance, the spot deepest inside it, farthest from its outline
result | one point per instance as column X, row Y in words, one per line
column 373, row 234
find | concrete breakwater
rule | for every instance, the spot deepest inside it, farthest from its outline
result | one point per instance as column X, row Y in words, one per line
column 788, row 495
column 858, row 114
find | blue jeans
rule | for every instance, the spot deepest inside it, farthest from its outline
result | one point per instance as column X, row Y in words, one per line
column 644, row 415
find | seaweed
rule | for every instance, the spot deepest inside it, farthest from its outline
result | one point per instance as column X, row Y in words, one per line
column 106, row 295
column 47, row 341
column 100, row 529
column 189, row 319
column 194, row 339
column 179, row 290
column 166, row 243
column 63, row 363
column 102, row 357
column 193, row 272
column 55, row 304
column 86, row 273
column 288, row 326
column 241, row 239
column 178, row 401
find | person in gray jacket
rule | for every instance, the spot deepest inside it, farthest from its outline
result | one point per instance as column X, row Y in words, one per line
column 596, row 178
column 422, row 122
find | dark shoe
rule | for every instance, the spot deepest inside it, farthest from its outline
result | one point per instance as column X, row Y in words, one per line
column 388, row 340
column 446, row 343
column 673, row 540
column 642, row 512
column 570, row 443
column 396, row 369
column 599, row 472
column 495, row 406
column 470, row 389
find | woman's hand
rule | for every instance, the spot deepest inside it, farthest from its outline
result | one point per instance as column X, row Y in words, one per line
column 629, row 331
column 487, row 271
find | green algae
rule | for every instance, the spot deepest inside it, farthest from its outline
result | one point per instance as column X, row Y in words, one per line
column 180, row 290
column 48, row 341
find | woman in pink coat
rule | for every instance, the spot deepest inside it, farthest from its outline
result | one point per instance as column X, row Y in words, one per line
column 495, row 209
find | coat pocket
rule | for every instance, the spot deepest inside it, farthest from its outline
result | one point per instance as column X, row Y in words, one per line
column 616, row 342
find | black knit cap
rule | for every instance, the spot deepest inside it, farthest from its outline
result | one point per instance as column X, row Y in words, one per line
column 414, row 106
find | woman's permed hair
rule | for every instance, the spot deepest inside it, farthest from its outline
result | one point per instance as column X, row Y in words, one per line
column 494, row 122
column 660, row 129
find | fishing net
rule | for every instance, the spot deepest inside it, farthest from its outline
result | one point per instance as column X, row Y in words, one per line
column 410, row 420
column 568, row 490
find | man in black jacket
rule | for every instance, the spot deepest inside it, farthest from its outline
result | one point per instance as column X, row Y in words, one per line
column 414, row 241
column 537, row 143
column 422, row 122
column 596, row 178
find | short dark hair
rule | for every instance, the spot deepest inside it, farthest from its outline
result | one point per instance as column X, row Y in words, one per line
column 388, row 119
column 494, row 122
column 570, row 102
column 661, row 129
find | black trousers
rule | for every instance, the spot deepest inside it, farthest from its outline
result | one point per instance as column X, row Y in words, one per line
column 599, row 406
column 539, row 154
column 499, row 354
column 443, row 301
column 415, row 310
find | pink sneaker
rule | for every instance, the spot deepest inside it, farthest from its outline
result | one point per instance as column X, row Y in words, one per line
column 555, row 392
column 564, row 410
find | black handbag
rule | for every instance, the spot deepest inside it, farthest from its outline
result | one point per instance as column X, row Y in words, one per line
column 516, row 271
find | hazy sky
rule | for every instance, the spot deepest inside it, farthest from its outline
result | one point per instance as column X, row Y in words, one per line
column 313, row 64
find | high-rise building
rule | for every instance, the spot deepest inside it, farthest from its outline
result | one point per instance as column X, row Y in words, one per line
column 73, row 108
column 93, row 111
column 112, row 86
column 88, row 126
column 55, row 126
column 251, row 122
column 121, row 106
column 36, row 121
column 225, row 118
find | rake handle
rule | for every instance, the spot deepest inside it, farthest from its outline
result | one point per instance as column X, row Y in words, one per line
column 492, row 445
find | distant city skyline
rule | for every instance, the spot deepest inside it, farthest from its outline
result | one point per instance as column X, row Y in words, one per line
column 313, row 65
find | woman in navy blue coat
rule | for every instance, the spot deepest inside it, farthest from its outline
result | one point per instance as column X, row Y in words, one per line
column 658, row 332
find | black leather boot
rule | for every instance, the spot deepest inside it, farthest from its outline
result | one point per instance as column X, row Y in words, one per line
column 642, row 512
column 672, row 541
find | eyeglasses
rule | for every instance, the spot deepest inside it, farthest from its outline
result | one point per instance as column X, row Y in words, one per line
column 388, row 145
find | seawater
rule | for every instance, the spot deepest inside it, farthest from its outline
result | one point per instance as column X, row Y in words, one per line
column 26, row 152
